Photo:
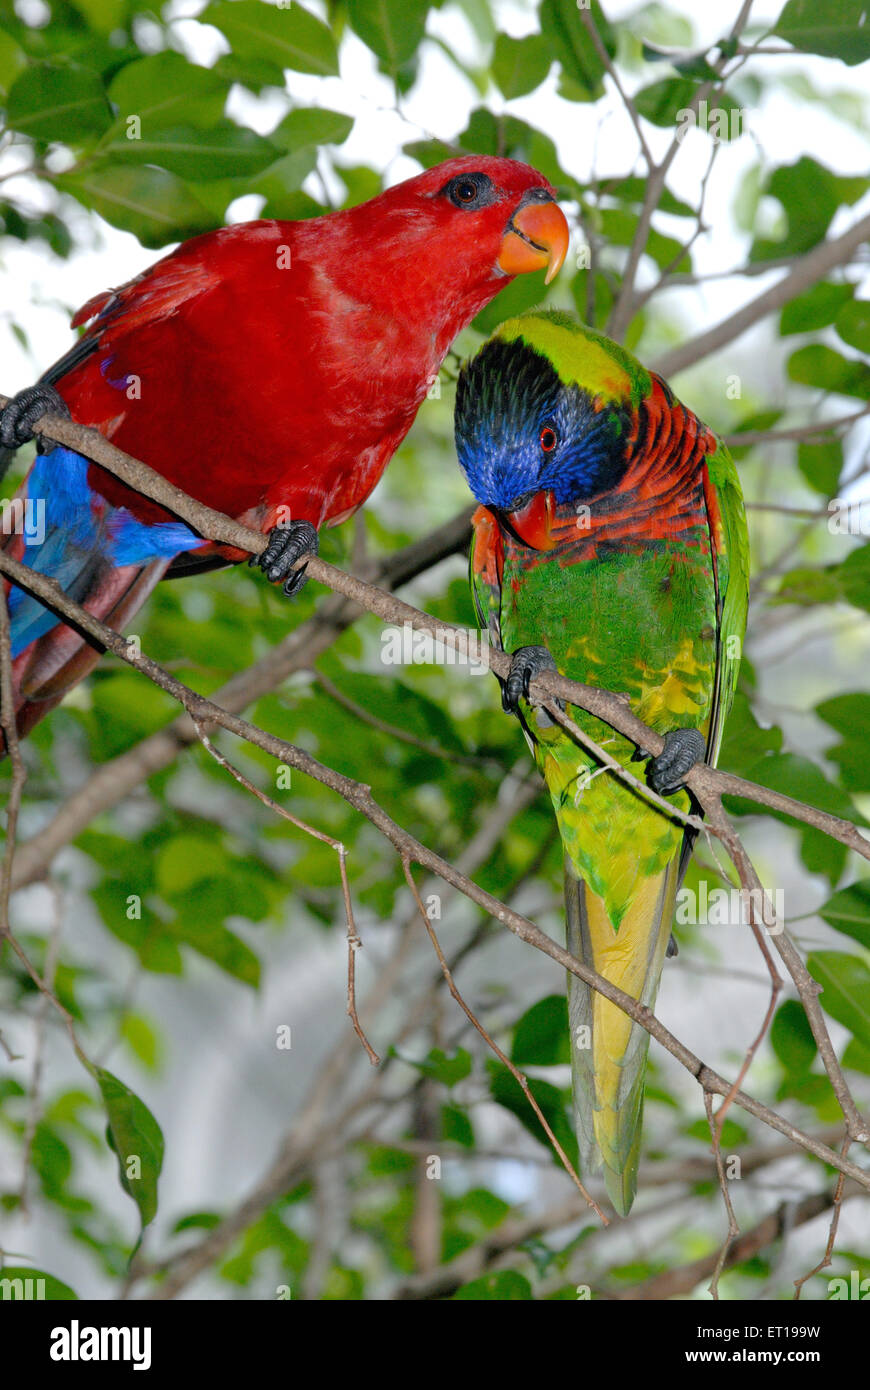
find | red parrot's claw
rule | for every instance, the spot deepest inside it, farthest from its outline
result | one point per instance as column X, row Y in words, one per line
column 683, row 748
column 25, row 410
column 286, row 545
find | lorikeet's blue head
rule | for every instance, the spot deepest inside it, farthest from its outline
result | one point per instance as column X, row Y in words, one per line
column 522, row 429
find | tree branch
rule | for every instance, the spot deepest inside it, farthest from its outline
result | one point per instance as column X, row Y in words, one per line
column 207, row 714
column 808, row 270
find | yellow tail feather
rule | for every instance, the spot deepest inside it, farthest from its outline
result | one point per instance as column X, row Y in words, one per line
column 608, row 1050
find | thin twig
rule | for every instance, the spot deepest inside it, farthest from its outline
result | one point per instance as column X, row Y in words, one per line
column 515, row 1072
column 353, row 939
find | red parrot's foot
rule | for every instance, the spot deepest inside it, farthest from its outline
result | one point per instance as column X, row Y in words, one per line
column 526, row 663
column 287, row 544
column 683, row 748
column 24, row 411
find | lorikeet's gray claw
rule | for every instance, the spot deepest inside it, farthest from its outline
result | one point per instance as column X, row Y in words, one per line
column 286, row 544
column 24, row 411
column 526, row 663
column 673, row 948
column 683, row 748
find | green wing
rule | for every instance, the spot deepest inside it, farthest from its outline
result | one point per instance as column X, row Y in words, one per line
column 730, row 545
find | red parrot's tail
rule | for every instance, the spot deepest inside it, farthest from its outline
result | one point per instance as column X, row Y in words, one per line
column 102, row 557
column 48, row 667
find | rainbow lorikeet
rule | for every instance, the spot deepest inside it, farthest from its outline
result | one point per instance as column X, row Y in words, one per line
column 610, row 544
column 269, row 369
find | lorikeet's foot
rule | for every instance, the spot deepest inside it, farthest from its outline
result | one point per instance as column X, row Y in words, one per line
column 286, row 544
column 683, row 748
column 23, row 412
column 526, row 663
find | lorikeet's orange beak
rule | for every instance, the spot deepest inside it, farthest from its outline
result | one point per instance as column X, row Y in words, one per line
column 532, row 523
column 536, row 236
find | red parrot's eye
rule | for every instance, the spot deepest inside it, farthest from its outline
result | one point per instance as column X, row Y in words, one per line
column 472, row 190
column 549, row 439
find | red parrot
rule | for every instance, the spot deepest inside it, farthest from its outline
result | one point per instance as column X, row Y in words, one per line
column 270, row 370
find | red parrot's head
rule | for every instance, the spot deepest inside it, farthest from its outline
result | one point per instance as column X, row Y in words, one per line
column 451, row 238
column 498, row 213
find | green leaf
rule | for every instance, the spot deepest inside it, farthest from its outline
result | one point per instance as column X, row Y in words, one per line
column 49, row 102
column 504, row 1287
column 853, row 324
column 857, row 1057
column 151, row 203
column 745, row 741
column 292, row 37
column 20, row 1283
column 312, row 126
column 792, row 1038
column 632, row 189
column 186, row 860
column 197, row 1221
column 802, row 779
column 733, row 1134
column 569, row 41
column 225, row 150
column 200, row 927
column 141, row 1040
column 507, row 1092
column 392, row 29
column 456, row 1126
column 821, row 464
column 845, row 982
column 669, row 103
column 855, row 577
column 520, row 65
column 522, row 294
column 849, row 911
column 164, row 89
column 541, row 1035
column 810, row 586
column 102, row 15
column 660, row 102
column 834, row 29
column 850, row 716
column 52, row 1160
column 449, row 1070
column 134, row 1134
column 825, row 369
column 815, row 308
column 756, row 420
column 13, row 60
column 810, row 195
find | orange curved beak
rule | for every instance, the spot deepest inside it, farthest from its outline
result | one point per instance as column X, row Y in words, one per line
column 533, row 522
column 537, row 236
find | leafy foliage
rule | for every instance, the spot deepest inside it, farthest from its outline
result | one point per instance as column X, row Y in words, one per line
column 189, row 894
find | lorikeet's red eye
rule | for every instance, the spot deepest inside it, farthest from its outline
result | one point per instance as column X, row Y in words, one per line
column 549, row 439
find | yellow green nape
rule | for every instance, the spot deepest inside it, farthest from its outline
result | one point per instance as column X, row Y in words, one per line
column 580, row 354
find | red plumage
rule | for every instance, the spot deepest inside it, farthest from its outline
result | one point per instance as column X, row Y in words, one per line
column 281, row 363
column 270, row 370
